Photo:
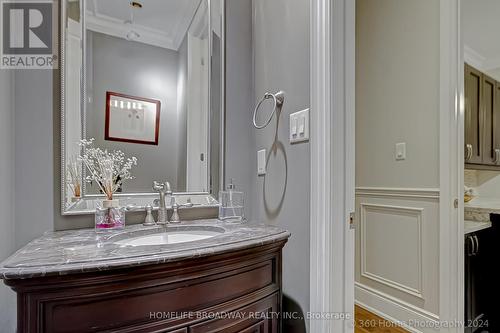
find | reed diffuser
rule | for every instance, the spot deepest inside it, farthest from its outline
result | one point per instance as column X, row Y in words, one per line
column 74, row 179
column 108, row 169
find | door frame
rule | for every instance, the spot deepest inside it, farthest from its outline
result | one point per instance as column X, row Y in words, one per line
column 332, row 165
column 451, row 171
column 332, row 178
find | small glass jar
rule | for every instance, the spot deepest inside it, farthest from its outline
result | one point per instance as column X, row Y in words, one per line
column 231, row 205
column 110, row 216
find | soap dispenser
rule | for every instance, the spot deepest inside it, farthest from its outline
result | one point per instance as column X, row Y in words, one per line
column 231, row 206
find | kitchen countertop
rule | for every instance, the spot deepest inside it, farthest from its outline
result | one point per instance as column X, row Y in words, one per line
column 82, row 251
column 479, row 209
column 491, row 205
column 473, row 226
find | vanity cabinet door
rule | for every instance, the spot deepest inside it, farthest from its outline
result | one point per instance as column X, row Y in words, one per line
column 473, row 116
column 259, row 317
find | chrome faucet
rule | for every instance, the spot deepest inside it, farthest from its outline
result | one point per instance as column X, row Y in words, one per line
column 165, row 191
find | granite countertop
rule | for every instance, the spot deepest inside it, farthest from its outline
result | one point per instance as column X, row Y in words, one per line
column 479, row 209
column 491, row 205
column 473, row 226
column 81, row 251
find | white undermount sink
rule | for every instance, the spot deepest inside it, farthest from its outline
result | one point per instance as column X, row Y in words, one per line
column 168, row 237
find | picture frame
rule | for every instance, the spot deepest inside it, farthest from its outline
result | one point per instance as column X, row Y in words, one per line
column 132, row 119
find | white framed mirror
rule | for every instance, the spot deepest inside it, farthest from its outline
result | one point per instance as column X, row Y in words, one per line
column 146, row 78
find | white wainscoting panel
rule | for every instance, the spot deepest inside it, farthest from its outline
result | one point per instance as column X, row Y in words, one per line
column 391, row 237
column 397, row 250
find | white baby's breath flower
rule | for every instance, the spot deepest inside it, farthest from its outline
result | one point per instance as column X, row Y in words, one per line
column 107, row 169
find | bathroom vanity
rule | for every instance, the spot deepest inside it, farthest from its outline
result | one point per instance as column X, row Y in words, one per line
column 203, row 276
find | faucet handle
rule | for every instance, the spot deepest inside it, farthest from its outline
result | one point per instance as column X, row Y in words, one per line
column 162, row 187
column 157, row 186
column 149, row 220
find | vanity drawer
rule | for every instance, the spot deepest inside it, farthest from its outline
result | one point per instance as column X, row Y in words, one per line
column 156, row 298
column 258, row 317
column 103, row 310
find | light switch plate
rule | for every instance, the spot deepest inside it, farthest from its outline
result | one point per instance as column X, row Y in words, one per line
column 401, row 151
column 261, row 162
column 299, row 126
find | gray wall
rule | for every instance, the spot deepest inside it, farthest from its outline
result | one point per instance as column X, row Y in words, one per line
column 142, row 70
column 281, row 55
column 33, row 154
column 7, row 241
column 26, row 146
column 397, row 93
column 240, row 146
column 280, row 48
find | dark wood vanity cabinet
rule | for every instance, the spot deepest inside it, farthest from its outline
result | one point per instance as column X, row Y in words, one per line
column 482, row 120
column 238, row 291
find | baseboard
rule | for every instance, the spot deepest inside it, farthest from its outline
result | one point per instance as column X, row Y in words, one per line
column 395, row 310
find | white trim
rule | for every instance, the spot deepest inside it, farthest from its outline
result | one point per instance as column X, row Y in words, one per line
column 321, row 285
column 473, row 58
column 481, row 63
column 106, row 24
column 110, row 26
column 332, row 162
column 416, row 193
column 451, row 169
column 415, row 212
column 372, row 299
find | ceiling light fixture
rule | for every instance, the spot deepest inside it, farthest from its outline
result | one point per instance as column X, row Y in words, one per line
column 132, row 34
column 136, row 4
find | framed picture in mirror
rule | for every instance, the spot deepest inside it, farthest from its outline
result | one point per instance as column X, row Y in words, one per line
column 132, row 119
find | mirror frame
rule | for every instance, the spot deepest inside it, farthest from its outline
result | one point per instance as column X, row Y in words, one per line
column 62, row 39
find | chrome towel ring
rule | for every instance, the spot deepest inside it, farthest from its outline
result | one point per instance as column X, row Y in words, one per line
column 279, row 99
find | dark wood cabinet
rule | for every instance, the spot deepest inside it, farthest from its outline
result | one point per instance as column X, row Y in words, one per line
column 473, row 116
column 482, row 120
column 490, row 129
column 480, row 285
column 232, row 292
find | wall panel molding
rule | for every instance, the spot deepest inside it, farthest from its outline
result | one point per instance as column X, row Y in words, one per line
column 397, row 244
column 417, row 193
column 417, row 214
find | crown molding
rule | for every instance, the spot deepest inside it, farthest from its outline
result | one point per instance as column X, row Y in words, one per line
column 111, row 26
column 473, row 58
column 478, row 61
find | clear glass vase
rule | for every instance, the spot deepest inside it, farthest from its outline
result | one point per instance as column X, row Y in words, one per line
column 110, row 216
column 231, row 206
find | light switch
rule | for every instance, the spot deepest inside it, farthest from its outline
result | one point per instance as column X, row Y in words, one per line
column 400, row 151
column 261, row 162
column 293, row 128
column 299, row 126
column 302, row 126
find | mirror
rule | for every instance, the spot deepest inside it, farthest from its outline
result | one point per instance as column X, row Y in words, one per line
column 146, row 78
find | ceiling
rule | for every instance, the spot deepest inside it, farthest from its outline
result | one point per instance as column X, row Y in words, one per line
column 161, row 23
column 481, row 33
